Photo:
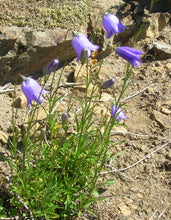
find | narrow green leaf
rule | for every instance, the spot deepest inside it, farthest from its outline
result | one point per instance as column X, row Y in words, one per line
column 109, row 182
column 95, row 193
column 93, row 213
column 79, row 214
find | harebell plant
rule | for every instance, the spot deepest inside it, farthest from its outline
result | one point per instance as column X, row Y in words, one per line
column 55, row 161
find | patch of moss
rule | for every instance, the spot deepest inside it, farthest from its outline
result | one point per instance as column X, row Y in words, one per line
column 70, row 14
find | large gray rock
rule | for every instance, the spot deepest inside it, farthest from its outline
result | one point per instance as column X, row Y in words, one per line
column 157, row 5
column 26, row 51
column 161, row 50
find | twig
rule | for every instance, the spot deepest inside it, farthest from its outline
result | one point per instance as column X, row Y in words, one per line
column 5, row 86
column 21, row 201
column 73, row 84
column 126, row 168
column 153, row 214
column 120, row 173
column 58, row 103
column 6, row 90
column 27, row 113
column 137, row 93
column 11, row 218
column 68, row 84
column 141, row 135
column 161, row 214
column 129, row 97
column 164, row 145
column 78, row 110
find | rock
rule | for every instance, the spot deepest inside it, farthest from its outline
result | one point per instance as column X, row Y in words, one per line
column 80, row 74
column 158, row 5
column 37, row 124
column 151, row 90
column 61, row 107
column 101, row 111
column 3, row 137
column 163, row 120
column 161, row 50
column 40, row 114
column 80, row 91
column 106, row 97
column 167, row 102
column 128, row 201
column 120, row 130
column 153, row 25
column 126, row 211
column 165, row 111
column 20, row 101
column 168, row 66
column 162, row 5
column 103, row 75
column 26, row 51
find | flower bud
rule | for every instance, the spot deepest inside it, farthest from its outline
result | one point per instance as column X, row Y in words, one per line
column 84, row 55
column 51, row 67
column 64, row 118
column 108, row 83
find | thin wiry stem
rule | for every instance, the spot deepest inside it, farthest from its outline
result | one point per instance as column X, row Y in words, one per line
column 58, row 103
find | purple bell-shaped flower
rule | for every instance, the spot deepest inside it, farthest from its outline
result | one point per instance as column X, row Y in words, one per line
column 117, row 112
column 112, row 25
column 32, row 90
column 130, row 54
column 80, row 43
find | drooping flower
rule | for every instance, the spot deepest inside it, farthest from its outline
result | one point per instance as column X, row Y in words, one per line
column 81, row 42
column 130, row 54
column 32, row 90
column 51, row 67
column 118, row 113
column 112, row 25
column 108, row 83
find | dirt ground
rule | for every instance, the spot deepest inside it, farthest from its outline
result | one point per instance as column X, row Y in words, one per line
column 142, row 187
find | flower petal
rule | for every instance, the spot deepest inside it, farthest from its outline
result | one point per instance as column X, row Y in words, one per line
column 26, row 93
column 51, row 67
column 130, row 54
column 33, row 91
column 118, row 113
column 112, row 25
column 80, row 42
